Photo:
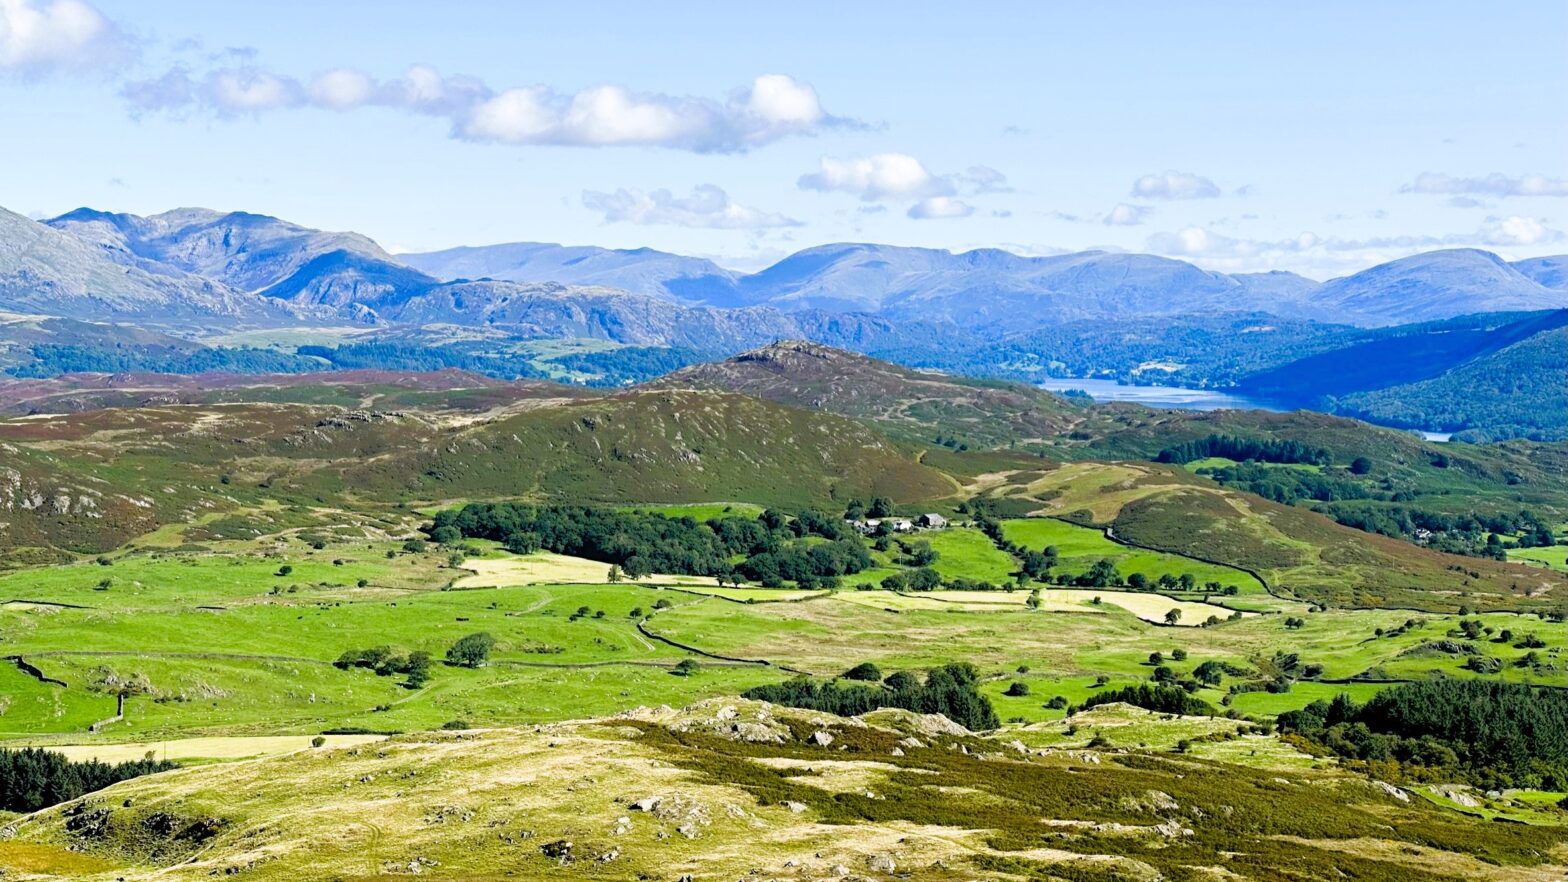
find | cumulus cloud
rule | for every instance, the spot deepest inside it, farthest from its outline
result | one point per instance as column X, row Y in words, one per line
column 1124, row 215
column 707, row 206
column 1174, row 185
column 1517, row 230
column 883, row 176
column 940, row 207
column 773, row 106
column 41, row 35
column 899, row 177
column 1496, row 184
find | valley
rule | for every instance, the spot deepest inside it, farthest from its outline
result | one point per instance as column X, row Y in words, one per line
column 268, row 582
column 490, row 442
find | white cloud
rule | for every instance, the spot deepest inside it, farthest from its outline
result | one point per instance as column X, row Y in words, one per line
column 883, row 176
column 982, row 179
column 707, row 206
column 1311, row 252
column 341, row 89
column 38, row 35
column 1124, row 215
column 1174, row 185
column 248, row 90
column 1495, row 184
column 1517, row 230
column 773, row 106
column 939, row 207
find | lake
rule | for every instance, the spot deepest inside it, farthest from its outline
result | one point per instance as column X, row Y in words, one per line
column 1178, row 397
column 1161, row 396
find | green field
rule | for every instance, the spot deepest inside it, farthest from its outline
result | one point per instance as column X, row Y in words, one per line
column 239, row 640
column 1079, row 548
column 1555, row 557
column 968, row 553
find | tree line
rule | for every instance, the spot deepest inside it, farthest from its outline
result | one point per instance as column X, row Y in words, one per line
column 642, row 543
column 32, row 778
column 1491, row 733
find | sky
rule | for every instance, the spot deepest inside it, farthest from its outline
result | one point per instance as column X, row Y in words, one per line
column 1319, row 138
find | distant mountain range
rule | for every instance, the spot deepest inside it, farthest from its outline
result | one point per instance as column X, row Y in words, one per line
column 1388, row 343
column 1001, row 291
column 195, row 269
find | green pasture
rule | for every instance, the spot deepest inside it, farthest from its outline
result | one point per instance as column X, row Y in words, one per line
column 1079, row 548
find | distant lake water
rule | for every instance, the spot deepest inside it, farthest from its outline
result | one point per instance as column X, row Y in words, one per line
column 1178, row 397
column 1161, row 396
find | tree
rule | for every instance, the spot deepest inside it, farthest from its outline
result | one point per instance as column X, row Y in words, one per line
column 1360, row 466
column 614, row 576
column 1172, row 616
column 446, row 535
column 865, row 671
column 414, row 546
column 285, row 570
column 881, row 507
column 686, row 667
column 921, row 554
column 472, row 651
column 1017, row 689
column 1156, row 658
column 924, row 579
column 1137, row 581
column 1179, row 654
column 417, row 667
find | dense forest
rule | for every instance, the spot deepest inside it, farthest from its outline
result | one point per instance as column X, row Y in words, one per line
column 644, row 543
column 32, row 778
column 51, row 360
column 1245, row 450
column 1490, row 733
column 950, row 690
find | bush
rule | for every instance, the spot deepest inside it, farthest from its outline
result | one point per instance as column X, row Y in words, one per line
column 1017, row 689
column 318, row 741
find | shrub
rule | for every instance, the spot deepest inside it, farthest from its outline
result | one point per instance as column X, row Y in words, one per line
column 1017, row 689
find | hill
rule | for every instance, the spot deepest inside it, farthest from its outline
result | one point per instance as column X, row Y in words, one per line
column 46, row 272
column 90, row 481
column 1298, row 553
column 905, row 402
column 739, row 789
column 1435, row 285
column 1550, row 272
column 1518, row 391
column 639, row 270
column 988, row 289
column 243, row 251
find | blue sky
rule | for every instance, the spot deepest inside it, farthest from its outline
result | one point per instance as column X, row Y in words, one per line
column 1319, row 138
